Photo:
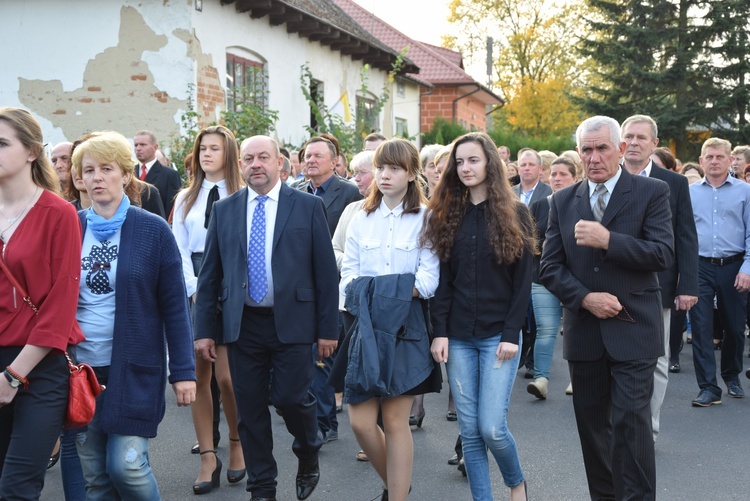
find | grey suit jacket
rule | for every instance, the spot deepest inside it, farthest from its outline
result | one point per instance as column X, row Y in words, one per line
column 542, row 190
column 339, row 194
column 641, row 244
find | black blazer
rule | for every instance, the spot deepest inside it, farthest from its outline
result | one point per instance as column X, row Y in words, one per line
column 151, row 200
column 542, row 190
column 166, row 180
column 682, row 277
column 641, row 244
column 339, row 194
column 305, row 276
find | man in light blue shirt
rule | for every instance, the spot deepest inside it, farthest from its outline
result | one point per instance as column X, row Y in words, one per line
column 721, row 208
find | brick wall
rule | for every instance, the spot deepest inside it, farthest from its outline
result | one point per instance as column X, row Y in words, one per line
column 469, row 111
column 209, row 97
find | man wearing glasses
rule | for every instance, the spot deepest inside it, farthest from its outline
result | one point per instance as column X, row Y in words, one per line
column 608, row 237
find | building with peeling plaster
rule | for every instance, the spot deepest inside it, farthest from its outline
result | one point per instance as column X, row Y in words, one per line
column 81, row 66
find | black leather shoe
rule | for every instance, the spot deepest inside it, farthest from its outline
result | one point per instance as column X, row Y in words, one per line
column 262, row 499
column 453, row 461
column 206, row 487
column 706, row 399
column 675, row 368
column 308, row 476
column 734, row 389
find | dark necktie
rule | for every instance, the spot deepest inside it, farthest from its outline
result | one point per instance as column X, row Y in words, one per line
column 600, row 205
column 213, row 196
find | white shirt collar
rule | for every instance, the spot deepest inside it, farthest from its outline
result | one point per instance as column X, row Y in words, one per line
column 208, row 184
column 273, row 194
column 385, row 211
column 609, row 183
column 150, row 164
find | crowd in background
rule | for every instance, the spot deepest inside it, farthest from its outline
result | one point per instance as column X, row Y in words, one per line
column 313, row 279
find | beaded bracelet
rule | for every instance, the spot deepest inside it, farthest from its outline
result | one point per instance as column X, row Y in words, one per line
column 17, row 377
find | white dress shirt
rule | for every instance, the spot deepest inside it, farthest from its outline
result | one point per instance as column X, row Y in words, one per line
column 271, row 206
column 189, row 231
column 610, row 185
column 386, row 242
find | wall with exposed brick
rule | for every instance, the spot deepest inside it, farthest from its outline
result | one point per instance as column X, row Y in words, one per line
column 469, row 112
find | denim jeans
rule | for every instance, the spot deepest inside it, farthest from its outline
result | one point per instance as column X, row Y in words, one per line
column 115, row 466
column 481, row 387
column 74, row 485
column 547, row 310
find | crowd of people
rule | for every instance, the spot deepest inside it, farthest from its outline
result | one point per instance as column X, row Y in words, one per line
column 301, row 282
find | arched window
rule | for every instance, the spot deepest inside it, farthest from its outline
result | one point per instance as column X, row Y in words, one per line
column 247, row 78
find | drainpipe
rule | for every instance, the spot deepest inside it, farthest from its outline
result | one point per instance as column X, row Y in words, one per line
column 479, row 88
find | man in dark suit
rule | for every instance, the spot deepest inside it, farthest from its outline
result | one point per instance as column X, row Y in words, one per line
column 679, row 282
column 320, row 160
column 166, row 179
column 608, row 236
column 531, row 188
column 269, row 267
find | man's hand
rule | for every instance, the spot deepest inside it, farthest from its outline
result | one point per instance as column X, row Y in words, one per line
column 185, row 391
column 684, row 302
column 326, row 348
column 205, row 348
column 591, row 234
column 602, row 304
column 742, row 282
column 439, row 349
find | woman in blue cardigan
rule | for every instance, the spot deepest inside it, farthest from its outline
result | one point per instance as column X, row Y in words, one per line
column 132, row 308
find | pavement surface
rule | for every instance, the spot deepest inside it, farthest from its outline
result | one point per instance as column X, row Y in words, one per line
column 701, row 453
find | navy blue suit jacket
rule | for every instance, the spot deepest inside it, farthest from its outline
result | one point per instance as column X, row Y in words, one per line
column 305, row 277
column 640, row 245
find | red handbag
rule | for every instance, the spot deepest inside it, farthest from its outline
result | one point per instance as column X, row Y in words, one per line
column 84, row 387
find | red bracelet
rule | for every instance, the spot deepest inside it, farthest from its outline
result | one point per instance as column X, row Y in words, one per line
column 24, row 381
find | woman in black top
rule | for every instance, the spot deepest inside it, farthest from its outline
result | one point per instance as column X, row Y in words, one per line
column 484, row 238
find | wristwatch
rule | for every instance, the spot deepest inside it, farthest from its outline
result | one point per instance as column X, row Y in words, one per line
column 14, row 383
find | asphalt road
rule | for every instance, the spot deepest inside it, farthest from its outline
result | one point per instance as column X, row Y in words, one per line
column 701, row 453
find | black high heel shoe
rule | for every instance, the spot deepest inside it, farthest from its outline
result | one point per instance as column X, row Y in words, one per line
column 234, row 476
column 206, row 487
column 417, row 420
column 54, row 458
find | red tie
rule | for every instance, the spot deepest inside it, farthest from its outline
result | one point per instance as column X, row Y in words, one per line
column 143, row 172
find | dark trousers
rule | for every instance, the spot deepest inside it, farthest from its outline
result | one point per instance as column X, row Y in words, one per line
column 676, row 328
column 612, row 403
column 719, row 281
column 30, row 425
column 251, row 359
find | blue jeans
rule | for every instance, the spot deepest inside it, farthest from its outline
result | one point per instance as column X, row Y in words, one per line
column 481, row 387
column 547, row 311
column 115, row 466
column 74, row 485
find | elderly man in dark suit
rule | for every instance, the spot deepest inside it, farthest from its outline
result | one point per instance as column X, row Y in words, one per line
column 608, row 236
column 269, row 267
column 166, row 179
column 336, row 193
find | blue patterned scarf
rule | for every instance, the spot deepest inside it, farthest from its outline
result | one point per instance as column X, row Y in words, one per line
column 102, row 228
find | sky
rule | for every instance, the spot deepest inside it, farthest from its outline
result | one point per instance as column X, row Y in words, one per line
column 421, row 20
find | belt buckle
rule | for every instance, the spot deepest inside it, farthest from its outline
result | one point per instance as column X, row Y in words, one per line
column 721, row 261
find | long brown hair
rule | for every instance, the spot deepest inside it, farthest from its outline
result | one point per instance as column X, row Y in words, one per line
column 509, row 224
column 231, row 165
column 29, row 133
column 398, row 151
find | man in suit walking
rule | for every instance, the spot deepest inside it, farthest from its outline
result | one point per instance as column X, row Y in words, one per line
column 336, row 194
column 273, row 277
column 150, row 170
column 679, row 282
column 608, row 237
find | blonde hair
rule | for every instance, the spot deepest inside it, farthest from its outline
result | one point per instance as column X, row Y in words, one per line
column 105, row 147
column 715, row 142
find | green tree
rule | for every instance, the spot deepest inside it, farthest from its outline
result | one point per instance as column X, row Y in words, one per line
column 670, row 59
column 251, row 117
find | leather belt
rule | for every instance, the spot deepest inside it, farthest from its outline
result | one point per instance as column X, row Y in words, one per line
column 259, row 310
column 721, row 261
